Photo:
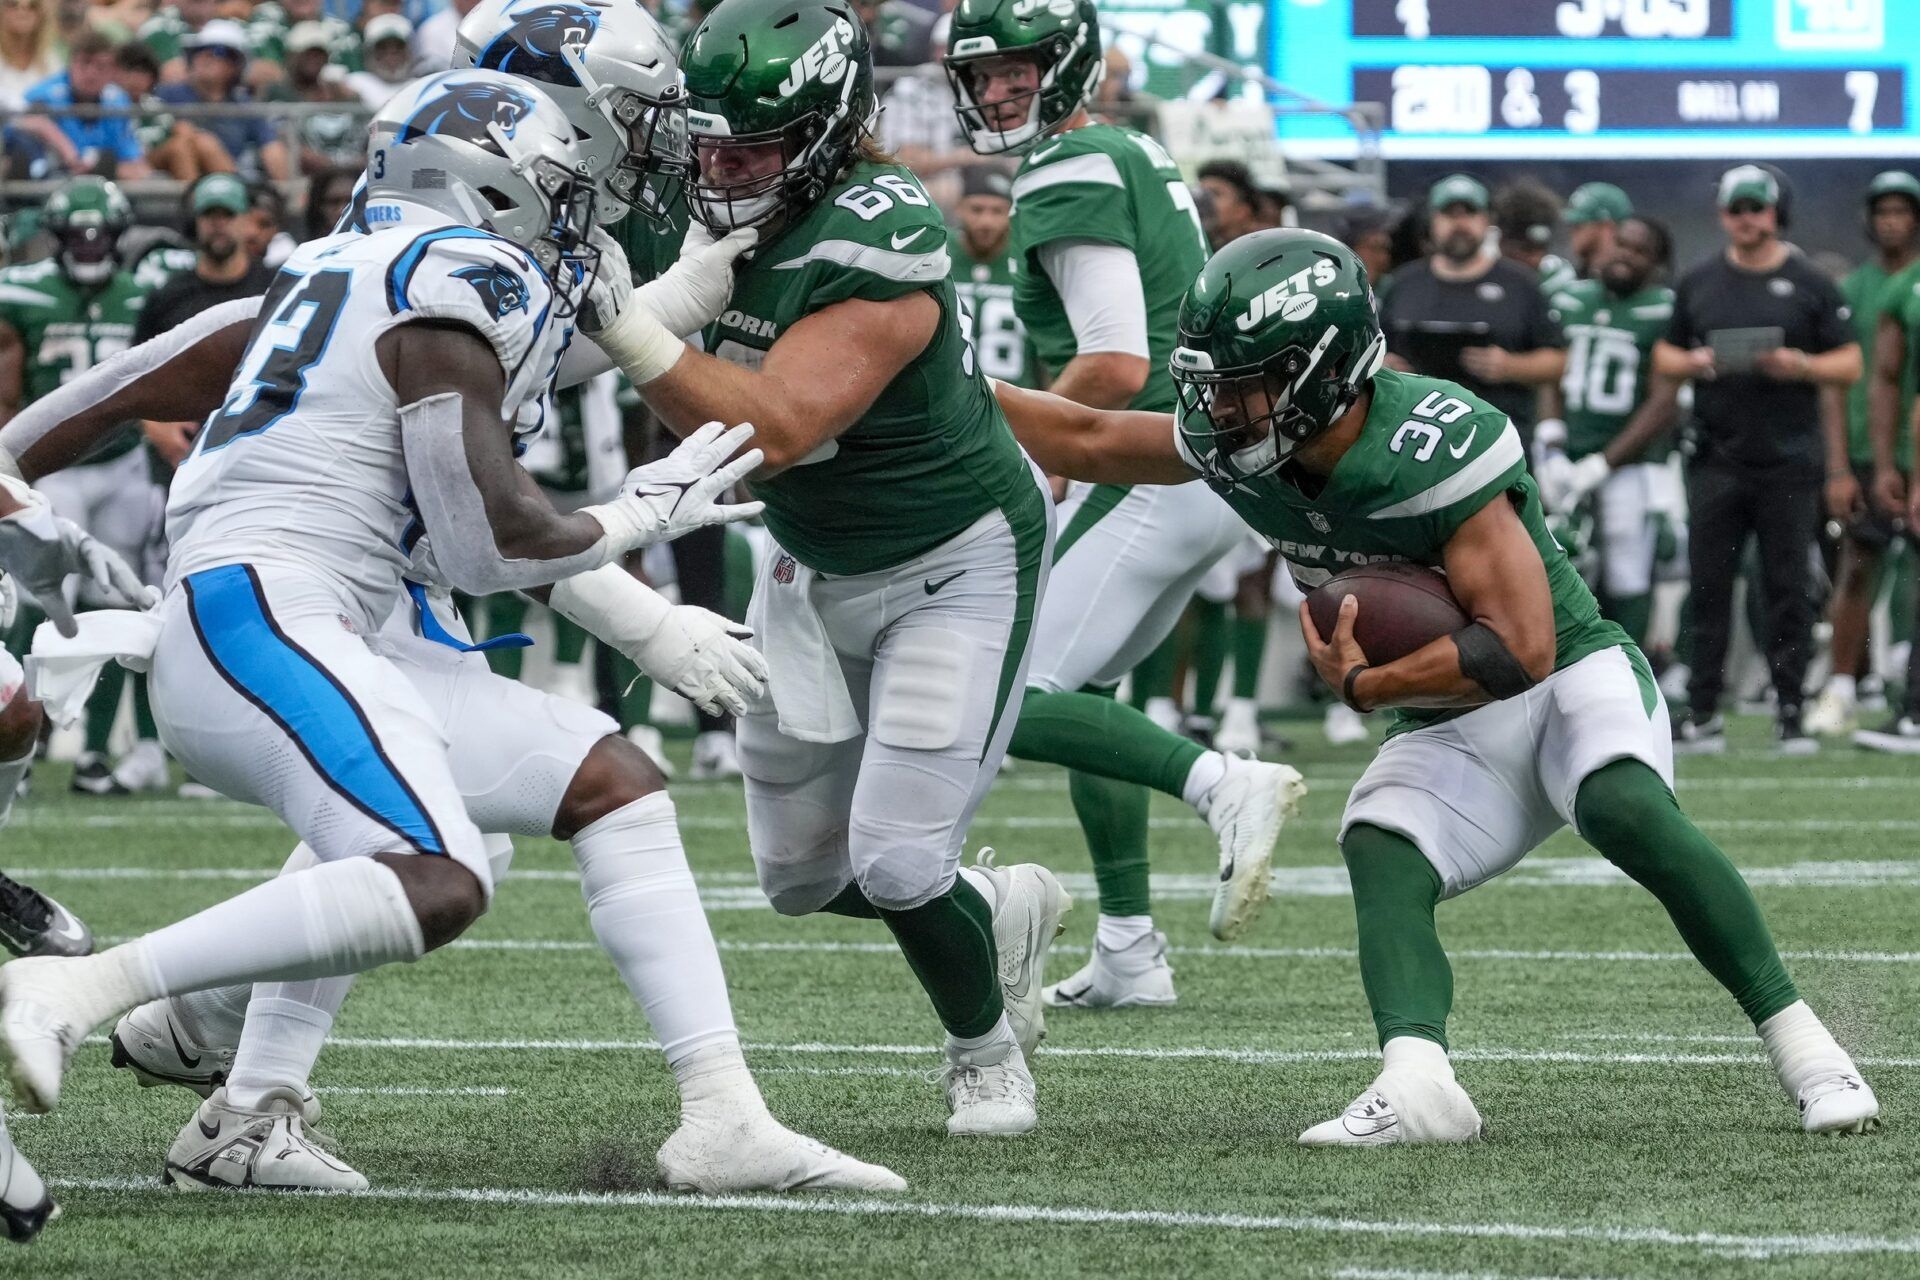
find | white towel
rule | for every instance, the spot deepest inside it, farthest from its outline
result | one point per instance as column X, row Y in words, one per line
column 803, row 673
column 61, row 670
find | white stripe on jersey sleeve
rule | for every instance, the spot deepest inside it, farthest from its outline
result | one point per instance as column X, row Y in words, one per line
column 1095, row 166
column 1468, row 480
column 912, row 267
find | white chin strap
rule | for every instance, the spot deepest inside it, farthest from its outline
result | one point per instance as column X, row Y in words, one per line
column 1257, row 457
column 989, row 140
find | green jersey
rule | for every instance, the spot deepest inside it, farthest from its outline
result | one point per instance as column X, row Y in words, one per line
column 1557, row 273
column 1864, row 288
column 1899, row 301
column 1430, row 455
column 164, row 33
column 67, row 329
column 1109, row 185
column 1609, row 360
column 999, row 339
column 933, row 454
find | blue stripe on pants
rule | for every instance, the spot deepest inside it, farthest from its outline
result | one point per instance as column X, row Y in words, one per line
column 248, row 649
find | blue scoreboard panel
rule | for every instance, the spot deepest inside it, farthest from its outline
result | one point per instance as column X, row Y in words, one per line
column 1612, row 78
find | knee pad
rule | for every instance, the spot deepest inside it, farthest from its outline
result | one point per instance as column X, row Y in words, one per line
column 769, row 756
column 899, row 866
column 921, row 702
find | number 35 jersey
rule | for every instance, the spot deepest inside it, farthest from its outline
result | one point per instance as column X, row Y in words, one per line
column 302, row 467
column 1431, row 455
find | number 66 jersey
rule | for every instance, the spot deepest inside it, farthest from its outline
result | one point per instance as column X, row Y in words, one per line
column 302, row 467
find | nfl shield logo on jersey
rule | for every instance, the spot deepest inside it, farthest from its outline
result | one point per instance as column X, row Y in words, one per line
column 1319, row 522
column 783, row 569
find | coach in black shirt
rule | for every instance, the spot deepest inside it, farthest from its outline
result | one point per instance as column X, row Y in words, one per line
column 1466, row 314
column 1766, row 342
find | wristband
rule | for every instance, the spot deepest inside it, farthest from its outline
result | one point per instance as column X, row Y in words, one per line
column 1346, row 687
column 642, row 346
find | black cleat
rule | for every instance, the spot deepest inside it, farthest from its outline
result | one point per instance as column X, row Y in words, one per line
column 32, row 924
column 24, row 1224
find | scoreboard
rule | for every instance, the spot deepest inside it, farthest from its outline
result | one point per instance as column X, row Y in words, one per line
column 1632, row 79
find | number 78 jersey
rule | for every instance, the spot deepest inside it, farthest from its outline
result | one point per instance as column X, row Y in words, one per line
column 303, row 465
column 1609, row 359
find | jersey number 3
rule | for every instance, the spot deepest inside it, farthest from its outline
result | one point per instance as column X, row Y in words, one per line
column 299, row 314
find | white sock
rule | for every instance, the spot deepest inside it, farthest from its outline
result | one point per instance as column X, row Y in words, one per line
column 1845, row 687
column 1800, row 1047
column 19, row 1184
column 286, row 1026
column 983, row 884
column 1205, row 775
column 11, row 771
column 1117, row 933
column 715, row 1083
column 1000, row 1033
column 213, row 1018
column 1418, row 1054
column 646, row 913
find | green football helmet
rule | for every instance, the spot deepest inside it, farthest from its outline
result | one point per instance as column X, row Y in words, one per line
column 1062, row 37
column 87, row 216
column 761, row 73
column 1278, row 338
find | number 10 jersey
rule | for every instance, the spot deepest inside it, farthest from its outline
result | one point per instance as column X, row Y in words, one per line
column 303, row 467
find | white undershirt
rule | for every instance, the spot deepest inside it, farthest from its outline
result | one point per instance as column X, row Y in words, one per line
column 1099, row 285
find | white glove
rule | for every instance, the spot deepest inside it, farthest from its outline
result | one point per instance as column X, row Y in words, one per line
column 41, row 551
column 680, row 493
column 612, row 288
column 1586, row 475
column 691, row 294
column 1549, row 437
column 705, row 659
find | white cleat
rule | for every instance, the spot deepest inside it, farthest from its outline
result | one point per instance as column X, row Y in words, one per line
column 1026, row 920
column 758, row 1153
column 1135, row 976
column 269, row 1149
column 1838, row 1103
column 648, row 739
column 149, row 1043
column 143, row 769
column 1343, row 725
column 37, row 1034
column 1402, row 1105
column 25, row 1204
column 715, row 756
column 1248, row 807
column 1832, row 715
column 1163, row 712
column 1239, row 731
column 574, row 682
column 990, row 1091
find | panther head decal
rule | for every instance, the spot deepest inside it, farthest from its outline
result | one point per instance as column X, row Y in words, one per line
column 501, row 290
column 532, row 46
column 464, row 111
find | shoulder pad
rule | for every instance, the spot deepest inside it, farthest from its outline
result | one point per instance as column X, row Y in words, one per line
column 472, row 277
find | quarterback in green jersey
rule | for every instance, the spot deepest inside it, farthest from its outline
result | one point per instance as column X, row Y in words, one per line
column 1611, row 323
column 1107, row 238
column 1537, row 714
column 911, row 535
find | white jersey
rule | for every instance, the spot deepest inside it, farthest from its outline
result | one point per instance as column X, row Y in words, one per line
column 302, row 466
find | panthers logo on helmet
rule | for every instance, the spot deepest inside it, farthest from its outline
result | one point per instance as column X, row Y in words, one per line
column 500, row 289
column 533, row 45
column 464, row 111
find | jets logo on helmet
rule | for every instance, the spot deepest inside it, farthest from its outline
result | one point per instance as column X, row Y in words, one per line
column 468, row 111
column 1286, row 298
column 88, row 216
column 534, row 45
column 825, row 59
column 502, row 290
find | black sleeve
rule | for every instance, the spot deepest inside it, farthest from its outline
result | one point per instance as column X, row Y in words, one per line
column 152, row 322
column 1831, row 326
column 1681, row 330
column 1391, row 289
column 1542, row 329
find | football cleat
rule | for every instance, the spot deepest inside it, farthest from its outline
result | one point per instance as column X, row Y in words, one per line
column 37, row 1033
column 142, row 769
column 1402, row 1105
column 648, row 739
column 1343, row 725
column 224, row 1148
column 1246, row 810
column 1839, row 1102
column 1129, row 977
column 1832, row 715
column 1026, row 920
column 990, row 1091
column 25, row 1204
column 93, row 776
column 1790, row 737
column 1901, row 737
column 1694, row 736
column 715, row 756
column 1199, row 728
column 1239, row 732
column 758, row 1153
column 149, row 1042
column 32, row 924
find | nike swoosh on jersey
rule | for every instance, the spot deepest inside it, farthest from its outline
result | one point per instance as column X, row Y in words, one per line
column 1040, row 156
column 1466, row 444
column 901, row 239
column 934, row 584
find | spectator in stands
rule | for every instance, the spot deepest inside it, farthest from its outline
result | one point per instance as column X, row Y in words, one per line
column 327, row 198
column 388, row 52
column 26, row 49
column 1593, row 211
column 166, row 33
column 1234, row 204
column 174, row 147
column 1765, row 340
column 1527, row 212
column 1369, row 233
column 433, row 39
column 273, row 22
column 216, row 63
column 266, row 242
column 1469, row 315
column 1113, row 100
column 325, row 139
column 223, row 270
column 69, row 144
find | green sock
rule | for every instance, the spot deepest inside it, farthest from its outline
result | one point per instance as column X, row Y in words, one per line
column 103, row 707
column 949, row 944
column 1249, row 649
column 1633, row 613
column 569, row 641
column 851, row 902
column 1096, row 734
column 1153, row 678
column 505, row 613
column 1210, row 644
column 1113, row 817
column 1626, row 812
column 143, row 723
column 1408, row 981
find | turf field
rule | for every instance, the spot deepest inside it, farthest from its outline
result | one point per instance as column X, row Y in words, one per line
column 503, row 1100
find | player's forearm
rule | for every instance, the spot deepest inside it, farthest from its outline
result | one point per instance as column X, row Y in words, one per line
column 1536, row 368
column 1670, row 361
column 1102, row 379
column 1839, row 367
column 1429, row 678
column 1649, row 422
column 700, row 388
column 1100, row 446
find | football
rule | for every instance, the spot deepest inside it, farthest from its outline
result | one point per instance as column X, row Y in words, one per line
column 1402, row 607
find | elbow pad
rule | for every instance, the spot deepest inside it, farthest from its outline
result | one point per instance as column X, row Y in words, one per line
column 1486, row 660
column 450, row 506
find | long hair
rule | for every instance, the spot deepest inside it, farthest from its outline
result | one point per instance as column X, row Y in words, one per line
column 38, row 49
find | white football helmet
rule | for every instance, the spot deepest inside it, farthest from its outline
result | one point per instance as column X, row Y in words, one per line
column 488, row 150
column 612, row 69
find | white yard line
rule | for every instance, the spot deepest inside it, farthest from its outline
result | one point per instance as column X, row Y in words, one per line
column 415, row 1091
column 1706, row 1242
column 1414, row 1273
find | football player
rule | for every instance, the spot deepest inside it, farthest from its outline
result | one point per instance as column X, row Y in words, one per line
column 984, row 268
column 1108, row 236
column 58, row 318
column 1539, row 713
column 1611, row 323
column 281, row 676
column 896, row 609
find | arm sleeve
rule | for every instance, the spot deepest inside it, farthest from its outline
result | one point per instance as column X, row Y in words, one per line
column 1099, row 285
